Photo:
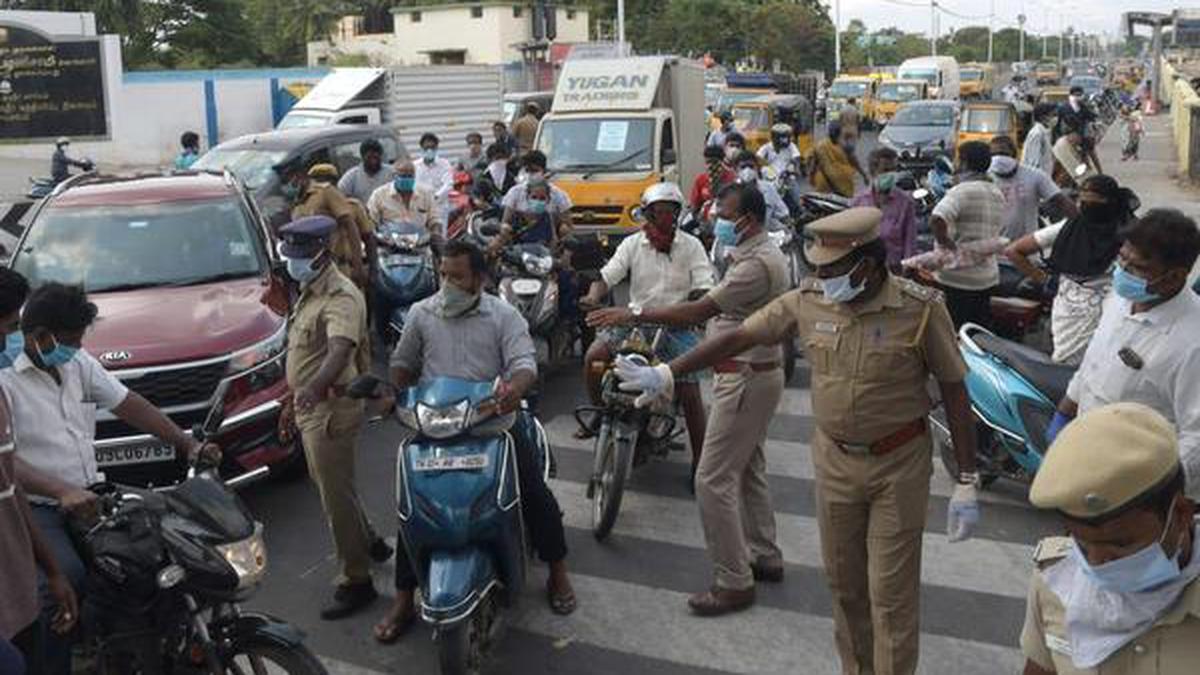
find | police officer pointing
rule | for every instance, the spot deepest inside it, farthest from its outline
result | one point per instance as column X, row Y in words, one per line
column 873, row 341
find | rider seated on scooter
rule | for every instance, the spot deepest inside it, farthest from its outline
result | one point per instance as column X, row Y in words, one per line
column 537, row 212
column 500, row 346
column 664, row 267
column 781, row 154
column 60, row 163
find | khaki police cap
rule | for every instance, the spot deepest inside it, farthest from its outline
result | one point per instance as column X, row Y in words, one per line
column 1104, row 460
column 834, row 237
column 323, row 171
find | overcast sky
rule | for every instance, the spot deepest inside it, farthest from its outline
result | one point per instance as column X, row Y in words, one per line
column 1096, row 16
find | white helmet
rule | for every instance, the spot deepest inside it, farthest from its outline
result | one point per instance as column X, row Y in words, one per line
column 62, row 140
column 663, row 192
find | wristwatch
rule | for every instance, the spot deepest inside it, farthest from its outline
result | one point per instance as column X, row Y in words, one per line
column 968, row 478
column 636, row 311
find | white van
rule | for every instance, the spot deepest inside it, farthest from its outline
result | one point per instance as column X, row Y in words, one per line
column 941, row 72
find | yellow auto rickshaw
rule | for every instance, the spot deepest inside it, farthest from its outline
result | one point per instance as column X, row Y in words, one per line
column 731, row 96
column 976, row 80
column 1055, row 95
column 892, row 93
column 753, row 118
column 984, row 120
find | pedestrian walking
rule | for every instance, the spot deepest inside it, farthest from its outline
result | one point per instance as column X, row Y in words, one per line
column 327, row 348
column 525, row 127
column 1131, row 133
column 1120, row 594
column 873, row 340
column 898, row 228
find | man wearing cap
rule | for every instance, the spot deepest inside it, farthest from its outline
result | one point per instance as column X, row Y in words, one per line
column 327, row 348
column 731, row 479
column 60, row 163
column 873, row 340
column 1120, row 594
column 314, row 193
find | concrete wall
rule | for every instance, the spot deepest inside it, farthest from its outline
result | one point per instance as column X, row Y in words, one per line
column 54, row 23
column 1182, row 99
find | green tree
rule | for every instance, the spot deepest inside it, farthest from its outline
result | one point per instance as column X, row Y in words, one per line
column 793, row 35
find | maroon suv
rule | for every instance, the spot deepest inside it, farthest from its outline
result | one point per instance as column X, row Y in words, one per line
column 178, row 266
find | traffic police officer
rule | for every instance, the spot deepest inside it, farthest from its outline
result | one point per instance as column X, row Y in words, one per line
column 731, row 479
column 315, row 194
column 873, row 341
column 1120, row 594
column 327, row 348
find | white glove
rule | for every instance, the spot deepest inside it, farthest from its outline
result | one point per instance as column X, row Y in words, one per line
column 962, row 516
column 653, row 381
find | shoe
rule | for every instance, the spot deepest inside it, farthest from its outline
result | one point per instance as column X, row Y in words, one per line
column 717, row 601
column 771, row 573
column 348, row 599
column 380, row 551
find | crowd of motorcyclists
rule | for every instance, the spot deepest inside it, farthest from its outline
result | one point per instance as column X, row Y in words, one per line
column 421, row 257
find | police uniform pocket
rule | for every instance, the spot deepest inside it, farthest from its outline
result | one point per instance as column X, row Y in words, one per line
column 820, row 350
column 887, row 362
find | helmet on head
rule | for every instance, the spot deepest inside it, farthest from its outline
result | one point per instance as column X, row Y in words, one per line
column 663, row 192
column 62, row 140
column 780, row 129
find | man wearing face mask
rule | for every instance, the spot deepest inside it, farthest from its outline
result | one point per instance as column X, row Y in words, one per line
column 434, row 173
column 404, row 201
column 664, row 266
column 327, row 348
column 518, row 201
column 1025, row 189
column 781, row 154
column 715, row 176
column 500, row 175
column 1145, row 348
column 1120, row 594
column 873, row 341
column 464, row 333
column 314, row 192
column 731, row 479
column 55, row 388
column 1038, row 151
column 747, row 174
column 898, row 226
column 735, row 145
column 1075, row 119
column 719, row 137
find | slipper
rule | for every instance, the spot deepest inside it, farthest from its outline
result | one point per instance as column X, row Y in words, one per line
column 387, row 633
column 561, row 604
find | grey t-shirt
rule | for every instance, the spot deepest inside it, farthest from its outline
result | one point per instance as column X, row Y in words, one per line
column 1024, row 192
column 358, row 184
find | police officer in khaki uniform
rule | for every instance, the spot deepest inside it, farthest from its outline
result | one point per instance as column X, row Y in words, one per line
column 1120, row 595
column 327, row 348
column 731, row 479
column 315, row 193
column 873, row 341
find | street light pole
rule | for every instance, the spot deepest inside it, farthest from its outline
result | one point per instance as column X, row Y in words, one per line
column 991, row 20
column 1021, row 48
column 933, row 36
column 1061, row 32
column 621, row 27
column 837, row 37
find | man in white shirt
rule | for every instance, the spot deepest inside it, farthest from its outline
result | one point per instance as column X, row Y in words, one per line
column 1038, row 151
column 435, row 174
column 748, row 173
column 972, row 210
column 55, row 388
column 781, row 153
column 404, row 201
column 1146, row 348
column 1025, row 189
column 664, row 266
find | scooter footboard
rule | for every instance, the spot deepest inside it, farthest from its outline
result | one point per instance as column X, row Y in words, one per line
column 458, row 580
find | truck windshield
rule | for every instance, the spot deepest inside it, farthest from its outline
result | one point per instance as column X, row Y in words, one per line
column 985, row 120
column 253, row 167
column 295, row 120
column 612, row 144
column 970, row 74
column 928, row 74
column 924, row 116
column 110, row 248
column 847, row 89
column 899, row 92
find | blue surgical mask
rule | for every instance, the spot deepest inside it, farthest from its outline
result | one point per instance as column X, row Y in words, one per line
column 301, row 269
column 59, row 356
column 404, row 183
column 14, row 344
column 725, row 230
column 537, row 206
column 429, row 154
column 840, row 289
column 1148, row 568
column 1131, row 287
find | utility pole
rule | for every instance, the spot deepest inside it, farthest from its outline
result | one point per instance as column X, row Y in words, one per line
column 837, row 37
column 621, row 27
column 933, row 32
column 1061, row 32
column 1021, row 23
column 991, row 20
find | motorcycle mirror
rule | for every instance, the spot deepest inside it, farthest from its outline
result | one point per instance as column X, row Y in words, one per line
column 366, row 386
column 637, row 214
column 920, row 193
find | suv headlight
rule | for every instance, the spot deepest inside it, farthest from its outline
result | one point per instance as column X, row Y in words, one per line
column 247, row 557
column 260, row 353
column 443, row 422
column 537, row 264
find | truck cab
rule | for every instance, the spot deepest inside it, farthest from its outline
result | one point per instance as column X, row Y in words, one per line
column 617, row 126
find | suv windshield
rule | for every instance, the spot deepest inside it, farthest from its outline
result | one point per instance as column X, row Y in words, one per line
column 924, row 116
column 109, row 248
column 252, row 167
column 847, row 89
column 612, row 144
column 899, row 92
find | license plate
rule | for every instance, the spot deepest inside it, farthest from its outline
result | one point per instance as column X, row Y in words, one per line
column 135, row 454
column 456, row 463
column 400, row 259
column 526, row 286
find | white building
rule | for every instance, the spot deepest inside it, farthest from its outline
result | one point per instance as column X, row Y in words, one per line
column 485, row 32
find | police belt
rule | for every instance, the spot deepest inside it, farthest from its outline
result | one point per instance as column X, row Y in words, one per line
column 894, row 440
column 732, row 366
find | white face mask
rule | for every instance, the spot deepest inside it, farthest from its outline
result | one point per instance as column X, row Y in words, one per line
column 841, row 289
column 747, row 175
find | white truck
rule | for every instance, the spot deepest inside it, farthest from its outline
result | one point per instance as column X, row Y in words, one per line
column 941, row 72
column 619, row 125
column 449, row 101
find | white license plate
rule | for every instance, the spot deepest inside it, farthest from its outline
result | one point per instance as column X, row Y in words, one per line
column 457, row 463
column 143, row 453
column 526, row 286
column 399, row 259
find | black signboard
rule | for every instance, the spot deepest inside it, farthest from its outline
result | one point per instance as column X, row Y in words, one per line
column 50, row 88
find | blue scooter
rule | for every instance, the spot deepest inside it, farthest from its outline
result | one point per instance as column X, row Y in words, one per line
column 459, row 505
column 1014, row 391
column 405, row 276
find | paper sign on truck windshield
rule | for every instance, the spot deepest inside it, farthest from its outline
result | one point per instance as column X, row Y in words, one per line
column 608, row 84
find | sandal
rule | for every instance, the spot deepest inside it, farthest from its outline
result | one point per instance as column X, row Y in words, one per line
column 391, row 629
column 561, row 603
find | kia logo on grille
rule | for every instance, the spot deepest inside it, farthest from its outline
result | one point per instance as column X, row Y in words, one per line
column 115, row 357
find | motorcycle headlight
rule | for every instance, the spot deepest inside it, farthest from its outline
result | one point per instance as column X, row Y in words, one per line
column 537, row 264
column 780, row 237
column 260, row 353
column 407, row 241
column 443, row 422
column 247, row 557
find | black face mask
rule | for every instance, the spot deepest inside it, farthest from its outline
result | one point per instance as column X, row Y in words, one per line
column 1096, row 210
